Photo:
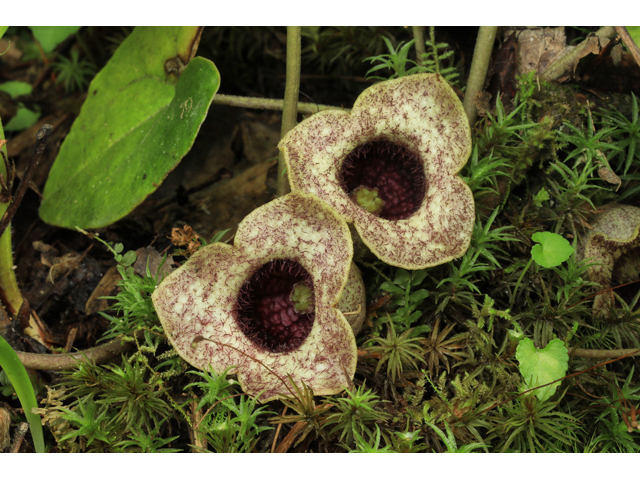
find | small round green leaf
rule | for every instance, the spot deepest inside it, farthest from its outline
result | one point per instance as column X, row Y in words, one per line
column 552, row 249
column 539, row 367
column 137, row 123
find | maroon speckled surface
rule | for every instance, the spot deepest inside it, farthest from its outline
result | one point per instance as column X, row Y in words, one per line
column 420, row 112
column 200, row 298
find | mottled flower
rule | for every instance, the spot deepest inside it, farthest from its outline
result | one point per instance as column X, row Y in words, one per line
column 613, row 245
column 390, row 167
column 268, row 305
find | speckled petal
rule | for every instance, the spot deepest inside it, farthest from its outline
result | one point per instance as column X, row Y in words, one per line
column 423, row 114
column 353, row 299
column 199, row 299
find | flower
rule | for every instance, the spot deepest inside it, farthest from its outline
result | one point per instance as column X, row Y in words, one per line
column 268, row 304
column 390, row 167
column 613, row 245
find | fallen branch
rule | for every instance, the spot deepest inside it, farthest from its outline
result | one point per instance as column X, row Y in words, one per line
column 66, row 361
column 621, row 352
column 565, row 62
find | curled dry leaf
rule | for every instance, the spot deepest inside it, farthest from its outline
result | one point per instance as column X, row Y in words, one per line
column 613, row 245
column 390, row 167
column 268, row 304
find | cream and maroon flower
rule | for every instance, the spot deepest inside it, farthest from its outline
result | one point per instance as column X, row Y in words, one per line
column 268, row 305
column 390, row 167
column 613, row 245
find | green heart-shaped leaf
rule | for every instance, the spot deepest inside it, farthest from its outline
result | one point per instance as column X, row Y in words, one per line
column 137, row 123
column 539, row 367
column 552, row 250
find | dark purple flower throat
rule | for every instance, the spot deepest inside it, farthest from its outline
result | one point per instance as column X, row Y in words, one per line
column 275, row 306
column 385, row 178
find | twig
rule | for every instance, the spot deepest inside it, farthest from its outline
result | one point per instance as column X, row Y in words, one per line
column 291, row 94
column 23, row 428
column 41, row 143
column 66, row 361
column 270, row 104
column 478, row 71
column 629, row 43
column 563, row 63
column 601, row 354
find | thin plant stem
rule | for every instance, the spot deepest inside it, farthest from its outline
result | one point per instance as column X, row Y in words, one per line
column 10, row 294
column 432, row 39
column 478, row 72
column 419, row 44
column 291, row 93
column 515, row 290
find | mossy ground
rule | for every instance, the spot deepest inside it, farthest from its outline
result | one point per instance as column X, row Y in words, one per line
column 437, row 351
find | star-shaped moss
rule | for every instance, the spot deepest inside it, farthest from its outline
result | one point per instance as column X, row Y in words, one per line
column 390, row 167
column 268, row 305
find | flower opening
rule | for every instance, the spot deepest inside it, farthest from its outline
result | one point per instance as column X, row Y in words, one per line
column 270, row 305
column 384, row 178
column 275, row 306
column 391, row 167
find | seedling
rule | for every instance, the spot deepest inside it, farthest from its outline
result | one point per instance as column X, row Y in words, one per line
column 550, row 251
column 541, row 366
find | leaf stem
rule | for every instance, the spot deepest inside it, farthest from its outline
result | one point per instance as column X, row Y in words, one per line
column 291, row 93
column 41, row 143
column 10, row 294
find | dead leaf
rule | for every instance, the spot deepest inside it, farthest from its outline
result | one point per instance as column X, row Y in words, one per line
column 107, row 287
column 505, row 63
column 186, row 237
column 154, row 259
column 538, row 47
column 5, row 422
column 609, row 176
